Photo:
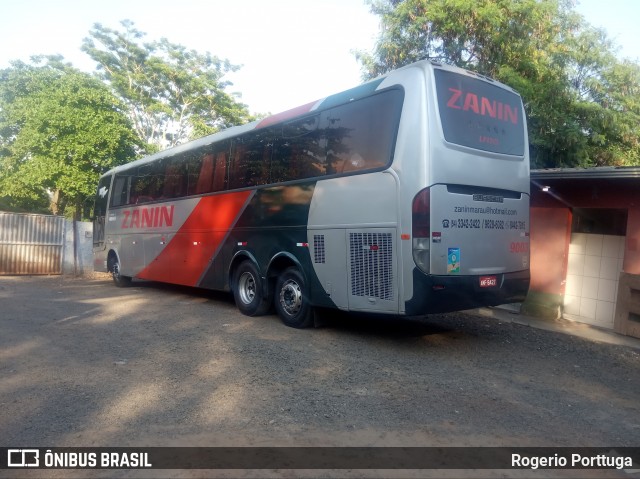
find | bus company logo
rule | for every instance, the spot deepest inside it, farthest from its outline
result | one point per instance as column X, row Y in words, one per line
column 154, row 217
column 23, row 458
column 481, row 105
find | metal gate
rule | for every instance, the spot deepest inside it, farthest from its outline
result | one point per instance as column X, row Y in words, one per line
column 31, row 244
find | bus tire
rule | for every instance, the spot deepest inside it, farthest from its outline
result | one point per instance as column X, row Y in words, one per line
column 292, row 299
column 247, row 290
column 118, row 279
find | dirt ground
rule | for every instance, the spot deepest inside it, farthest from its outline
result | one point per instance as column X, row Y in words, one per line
column 83, row 363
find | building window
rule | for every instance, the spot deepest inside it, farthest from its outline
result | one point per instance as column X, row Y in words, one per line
column 602, row 221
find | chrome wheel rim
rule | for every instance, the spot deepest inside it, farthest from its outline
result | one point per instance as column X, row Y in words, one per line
column 291, row 297
column 247, row 288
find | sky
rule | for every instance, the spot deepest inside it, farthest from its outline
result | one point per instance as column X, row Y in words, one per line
column 292, row 52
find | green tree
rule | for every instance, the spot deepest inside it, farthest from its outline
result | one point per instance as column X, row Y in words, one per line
column 60, row 129
column 582, row 104
column 172, row 94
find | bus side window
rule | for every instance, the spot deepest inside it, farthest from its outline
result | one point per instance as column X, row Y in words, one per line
column 205, row 179
column 300, row 151
column 251, row 160
column 220, row 172
column 175, row 178
column 262, row 149
column 361, row 134
column 149, row 183
column 194, row 165
column 121, row 190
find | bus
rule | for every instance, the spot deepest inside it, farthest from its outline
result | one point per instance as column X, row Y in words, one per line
column 406, row 195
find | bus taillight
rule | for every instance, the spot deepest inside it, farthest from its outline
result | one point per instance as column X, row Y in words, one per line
column 421, row 229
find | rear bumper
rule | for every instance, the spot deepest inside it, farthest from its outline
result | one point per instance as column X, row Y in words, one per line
column 443, row 294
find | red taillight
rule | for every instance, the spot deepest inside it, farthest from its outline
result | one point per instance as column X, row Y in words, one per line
column 421, row 215
column 420, row 227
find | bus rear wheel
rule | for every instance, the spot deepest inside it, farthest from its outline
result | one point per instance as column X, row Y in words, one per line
column 292, row 299
column 248, row 289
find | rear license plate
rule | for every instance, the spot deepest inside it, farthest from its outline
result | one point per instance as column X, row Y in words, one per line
column 488, row 281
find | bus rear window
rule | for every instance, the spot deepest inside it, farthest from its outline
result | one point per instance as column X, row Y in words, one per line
column 477, row 114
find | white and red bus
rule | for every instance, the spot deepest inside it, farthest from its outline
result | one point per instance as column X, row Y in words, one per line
column 406, row 195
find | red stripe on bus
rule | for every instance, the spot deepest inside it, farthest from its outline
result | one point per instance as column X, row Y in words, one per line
column 285, row 115
column 188, row 254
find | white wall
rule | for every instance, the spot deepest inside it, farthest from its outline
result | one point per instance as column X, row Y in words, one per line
column 595, row 263
column 84, row 248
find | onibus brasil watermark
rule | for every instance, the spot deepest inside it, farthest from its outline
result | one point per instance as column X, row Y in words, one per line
column 71, row 460
column 627, row 458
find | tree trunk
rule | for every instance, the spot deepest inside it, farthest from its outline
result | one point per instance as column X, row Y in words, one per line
column 77, row 216
column 53, row 202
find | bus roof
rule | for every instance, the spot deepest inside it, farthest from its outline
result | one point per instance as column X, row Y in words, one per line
column 359, row 91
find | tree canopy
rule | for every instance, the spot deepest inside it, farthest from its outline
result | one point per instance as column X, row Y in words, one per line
column 172, row 94
column 582, row 103
column 60, row 129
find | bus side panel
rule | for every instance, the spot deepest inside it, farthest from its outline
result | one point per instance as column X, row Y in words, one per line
column 272, row 223
column 189, row 252
column 131, row 254
column 410, row 167
column 327, row 247
column 139, row 234
column 353, row 241
column 340, row 239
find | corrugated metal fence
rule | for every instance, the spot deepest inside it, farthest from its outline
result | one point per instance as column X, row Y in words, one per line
column 31, row 244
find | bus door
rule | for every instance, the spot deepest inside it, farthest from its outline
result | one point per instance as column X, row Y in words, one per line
column 100, row 212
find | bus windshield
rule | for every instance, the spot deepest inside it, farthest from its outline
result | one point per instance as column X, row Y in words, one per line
column 477, row 114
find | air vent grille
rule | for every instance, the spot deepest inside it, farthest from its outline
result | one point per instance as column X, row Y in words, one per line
column 371, row 257
column 318, row 249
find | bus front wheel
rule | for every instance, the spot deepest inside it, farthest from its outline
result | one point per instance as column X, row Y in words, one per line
column 118, row 279
column 247, row 290
column 292, row 299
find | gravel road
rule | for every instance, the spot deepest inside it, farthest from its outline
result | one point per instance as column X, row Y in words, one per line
column 86, row 364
